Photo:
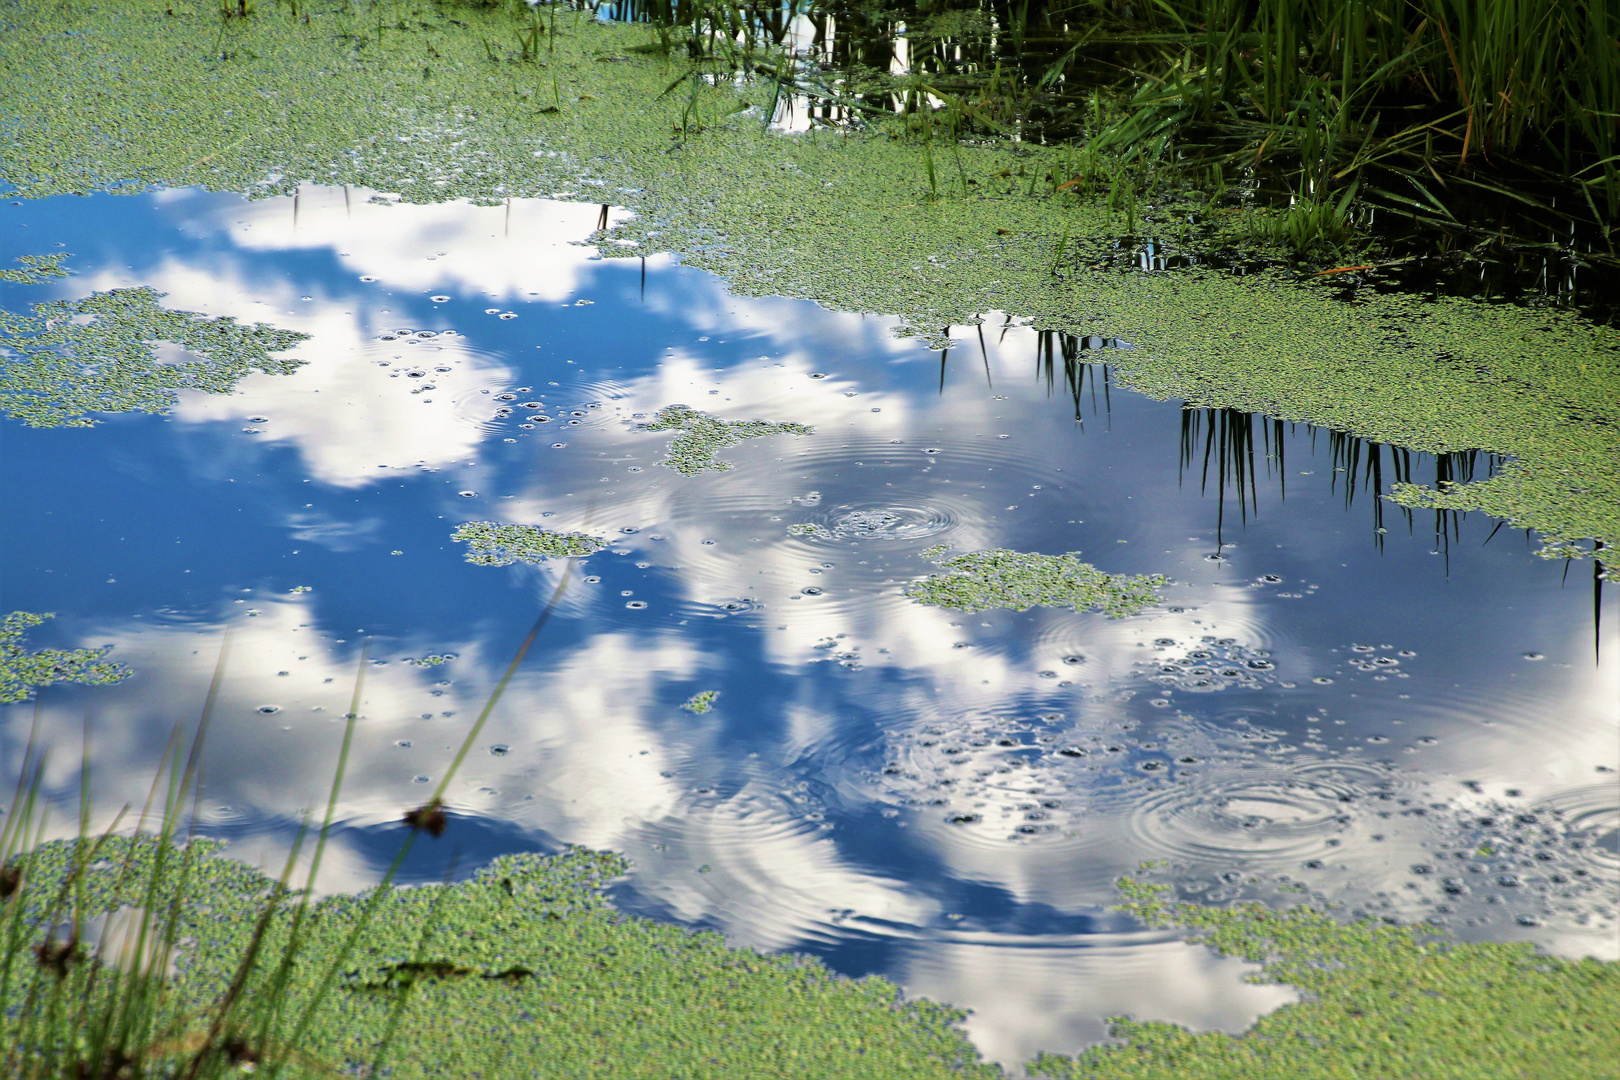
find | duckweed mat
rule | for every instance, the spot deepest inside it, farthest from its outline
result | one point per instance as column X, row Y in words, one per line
column 542, row 977
column 1381, row 1000
column 445, row 102
column 981, row 580
column 546, row 979
column 492, row 544
column 70, row 359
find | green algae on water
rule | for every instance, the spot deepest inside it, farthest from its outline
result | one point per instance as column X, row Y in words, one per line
column 981, row 580
column 71, row 358
column 1381, row 1001
column 36, row 269
column 523, row 970
column 701, row 702
column 21, row 671
column 489, row 544
column 692, row 451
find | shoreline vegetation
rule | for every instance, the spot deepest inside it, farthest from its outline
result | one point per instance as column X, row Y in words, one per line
column 144, row 953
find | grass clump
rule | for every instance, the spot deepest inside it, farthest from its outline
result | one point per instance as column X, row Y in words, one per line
column 692, row 451
column 1381, row 1001
column 981, row 580
column 21, row 671
column 489, row 544
column 71, row 358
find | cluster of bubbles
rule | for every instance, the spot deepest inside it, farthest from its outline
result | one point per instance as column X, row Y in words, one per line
column 1209, row 664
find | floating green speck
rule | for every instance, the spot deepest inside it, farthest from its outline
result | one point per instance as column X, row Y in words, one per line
column 489, row 544
column 701, row 702
column 981, row 580
column 21, row 671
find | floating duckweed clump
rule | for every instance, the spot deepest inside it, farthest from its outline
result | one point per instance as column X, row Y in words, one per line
column 692, row 451
column 36, row 268
column 701, row 702
column 71, row 358
column 523, row 970
column 21, row 671
column 981, row 580
column 1380, row 1001
column 489, row 544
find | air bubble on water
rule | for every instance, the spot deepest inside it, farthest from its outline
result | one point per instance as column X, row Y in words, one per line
column 933, row 450
column 508, row 314
column 1074, row 659
column 268, row 709
column 636, row 605
column 500, row 749
column 818, row 375
column 1533, row 656
column 492, row 311
column 593, row 580
column 468, row 494
column 439, row 299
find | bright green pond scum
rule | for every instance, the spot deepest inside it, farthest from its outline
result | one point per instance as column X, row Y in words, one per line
column 70, row 359
column 427, row 112
column 22, row 671
column 546, row 979
column 1381, row 1001
column 491, row 544
column 692, row 451
column 981, row 580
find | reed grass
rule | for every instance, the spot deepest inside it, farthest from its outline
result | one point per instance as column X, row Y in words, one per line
column 1430, row 107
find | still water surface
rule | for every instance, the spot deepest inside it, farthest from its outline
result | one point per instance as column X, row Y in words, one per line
column 940, row 797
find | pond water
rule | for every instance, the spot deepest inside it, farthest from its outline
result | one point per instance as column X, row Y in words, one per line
column 1410, row 717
